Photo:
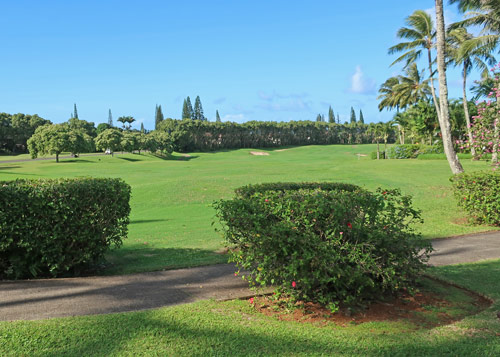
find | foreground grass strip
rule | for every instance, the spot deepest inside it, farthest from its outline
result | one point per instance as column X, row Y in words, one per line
column 235, row 329
column 171, row 199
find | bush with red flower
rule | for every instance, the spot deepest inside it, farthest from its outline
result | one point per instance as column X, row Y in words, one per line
column 324, row 242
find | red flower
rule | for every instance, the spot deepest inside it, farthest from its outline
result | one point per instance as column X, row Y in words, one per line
column 294, row 284
column 349, row 225
column 266, row 200
column 251, row 300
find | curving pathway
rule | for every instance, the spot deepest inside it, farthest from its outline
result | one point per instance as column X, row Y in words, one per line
column 41, row 299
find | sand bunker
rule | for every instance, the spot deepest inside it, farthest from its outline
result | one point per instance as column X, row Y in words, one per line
column 259, row 153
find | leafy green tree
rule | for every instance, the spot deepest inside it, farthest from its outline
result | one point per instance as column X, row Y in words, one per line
column 126, row 121
column 101, row 127
column 198, row 110
column 109, row 139
column 376, row 131
column 158, row 116
column 85, row 126
column 22, row 127
column 110, row 119
column 162, row 141
column 353, row 115
column 217, row 117
column 331, row 116
column 128, row 142
column 361, row 118
column 421, row 35
column 57, row 138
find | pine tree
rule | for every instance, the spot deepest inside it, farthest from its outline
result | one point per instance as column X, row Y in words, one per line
column 361, row 118
column 353, row 115
column 331, row 116
column 110, row 119
column 338, row 118
column 217, row 116
column 185, row 110
column 189, row 107
column 142, row 128
column 75, row 112
column 198, row 110
column 319, row 117
column 158, row 116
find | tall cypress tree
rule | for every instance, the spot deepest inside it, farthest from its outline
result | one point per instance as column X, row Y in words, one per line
column 320, row 117
column 338, row 118
column 331, row 116
column 198, row 109
column 142, row 128
column 361, row 118
column 158, row 116
column 185, row 110
column 110, row 118
column 217, row 116
column 189, row 107
column 353, row 115
column 75, row 112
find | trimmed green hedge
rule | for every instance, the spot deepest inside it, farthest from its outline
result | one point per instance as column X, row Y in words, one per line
column 479, row 194
column 324, row 242
column 51, row 228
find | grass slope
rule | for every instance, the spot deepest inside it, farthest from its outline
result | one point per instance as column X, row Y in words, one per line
column 171, row 213
column 233, row 328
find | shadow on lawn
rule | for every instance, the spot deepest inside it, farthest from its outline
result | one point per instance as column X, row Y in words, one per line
column 176, row 333
column 9, row 167
column 137, row 221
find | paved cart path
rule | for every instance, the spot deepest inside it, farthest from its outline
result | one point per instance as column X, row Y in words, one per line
column 41, row 299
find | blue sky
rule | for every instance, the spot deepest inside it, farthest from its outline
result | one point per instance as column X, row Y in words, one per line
column 251, row 60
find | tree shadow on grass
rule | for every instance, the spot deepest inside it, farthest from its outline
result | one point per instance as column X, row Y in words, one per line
column 209, row 331
column 129, row 159
column 9, row 167
column 173, row 157
column 136, row 221
column 67, row 161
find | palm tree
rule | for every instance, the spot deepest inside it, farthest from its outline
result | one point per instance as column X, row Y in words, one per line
column 479, row 57
column 443, row 111
column 403, row 90
column 421, row 34
column 388, row 95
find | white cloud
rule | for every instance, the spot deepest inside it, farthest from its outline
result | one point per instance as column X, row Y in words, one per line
column 361, row 84
column 239, row 118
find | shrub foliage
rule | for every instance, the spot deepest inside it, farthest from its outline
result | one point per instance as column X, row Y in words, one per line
column 51, row 228
column 479, row 194
column 324, row 242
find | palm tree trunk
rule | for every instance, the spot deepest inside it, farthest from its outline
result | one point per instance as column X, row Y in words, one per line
column 57, row 157
column 378, row 151
column 444, row 118
column 433, row 91
column 496, row 139
column 466, row 112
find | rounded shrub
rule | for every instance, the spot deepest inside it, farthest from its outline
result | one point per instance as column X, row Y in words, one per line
column 51, row 228
column 479, row 194
column 324, row 242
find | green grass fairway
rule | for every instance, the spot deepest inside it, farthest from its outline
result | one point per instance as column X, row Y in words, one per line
column 171, row 213
column 233, row 328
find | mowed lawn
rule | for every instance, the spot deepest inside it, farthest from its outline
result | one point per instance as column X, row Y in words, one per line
column 171, row 218
column 233, row 328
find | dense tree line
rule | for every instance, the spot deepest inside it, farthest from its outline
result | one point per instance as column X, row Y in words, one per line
column 197, row 135
column 16, row 129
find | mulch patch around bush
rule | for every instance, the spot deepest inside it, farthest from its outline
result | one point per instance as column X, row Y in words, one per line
column 425, row 309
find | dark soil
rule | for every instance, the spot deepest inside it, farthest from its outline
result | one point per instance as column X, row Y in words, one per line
column 419, row 309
